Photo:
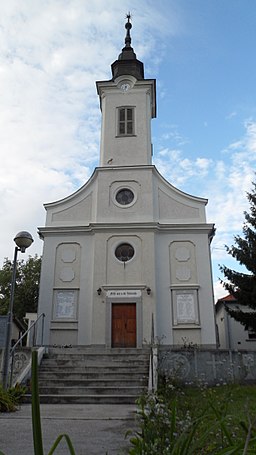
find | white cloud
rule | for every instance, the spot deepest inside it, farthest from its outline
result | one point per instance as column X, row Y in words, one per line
column 231, row 115
column 179, row 169
column 219, row 291
column 224, row 183
column 51, row 54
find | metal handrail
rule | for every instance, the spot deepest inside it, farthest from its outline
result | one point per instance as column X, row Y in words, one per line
column 42, row 315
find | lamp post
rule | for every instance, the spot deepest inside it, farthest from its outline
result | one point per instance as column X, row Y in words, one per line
column 23, row 241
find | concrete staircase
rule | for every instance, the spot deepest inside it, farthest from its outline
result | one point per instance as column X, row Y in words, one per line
column 93, row 375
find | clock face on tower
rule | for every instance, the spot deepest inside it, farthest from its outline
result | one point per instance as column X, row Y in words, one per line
column 125, row 86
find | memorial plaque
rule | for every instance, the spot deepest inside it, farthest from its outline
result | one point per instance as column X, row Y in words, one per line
column 3, row 329
column 65, row 304
column 186, row 308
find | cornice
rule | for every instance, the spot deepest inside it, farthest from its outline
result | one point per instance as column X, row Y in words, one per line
column 93, row 228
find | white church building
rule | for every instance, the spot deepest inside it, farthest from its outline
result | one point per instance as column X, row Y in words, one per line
column 128, row 249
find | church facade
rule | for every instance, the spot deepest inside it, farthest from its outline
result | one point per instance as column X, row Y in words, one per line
column 128, row 250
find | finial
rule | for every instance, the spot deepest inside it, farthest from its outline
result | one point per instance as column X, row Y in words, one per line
column 128, row 27
column 127, row 62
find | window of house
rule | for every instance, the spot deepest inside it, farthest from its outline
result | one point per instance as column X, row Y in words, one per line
column 251, row 334
column 125, row 121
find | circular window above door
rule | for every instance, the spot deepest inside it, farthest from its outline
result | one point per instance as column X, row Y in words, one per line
column 124, row 252
column 124, row 196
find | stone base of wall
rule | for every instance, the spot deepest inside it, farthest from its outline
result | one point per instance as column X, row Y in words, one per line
column 211, row 367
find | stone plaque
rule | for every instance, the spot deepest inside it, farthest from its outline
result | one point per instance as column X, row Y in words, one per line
column 65, row 304
column 117, row 294
column 186, row 311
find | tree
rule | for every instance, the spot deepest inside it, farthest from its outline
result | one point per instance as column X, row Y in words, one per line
column 26, row 288
column 243, row 285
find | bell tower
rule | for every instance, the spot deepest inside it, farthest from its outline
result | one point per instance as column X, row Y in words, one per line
column 128, row 103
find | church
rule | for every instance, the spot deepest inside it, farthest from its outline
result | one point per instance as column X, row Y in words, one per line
column 128, row 254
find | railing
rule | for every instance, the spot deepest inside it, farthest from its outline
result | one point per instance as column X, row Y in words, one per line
column 33, row 326
column 152, row 384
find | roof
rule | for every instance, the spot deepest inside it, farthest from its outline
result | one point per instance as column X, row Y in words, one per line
column 227, row 299
column 127, row 62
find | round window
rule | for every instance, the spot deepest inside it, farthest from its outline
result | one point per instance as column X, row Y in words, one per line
column 124, row 252
column 124, row 196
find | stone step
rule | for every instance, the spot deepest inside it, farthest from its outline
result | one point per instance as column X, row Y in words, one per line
column 90, row 366
column 74, row 375
column 63, row 382
column 93, row 376
column 98, row 369
column 95, row 359
column 96, row 350
column 90, row 399
column 103, row 355
column 85, row 391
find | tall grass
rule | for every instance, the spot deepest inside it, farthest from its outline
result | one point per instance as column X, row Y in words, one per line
column 11, row 398
column 199, row 421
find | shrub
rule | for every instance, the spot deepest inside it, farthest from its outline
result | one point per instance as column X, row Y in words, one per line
column 7, row 403
column 17, row 393
column 11, row 398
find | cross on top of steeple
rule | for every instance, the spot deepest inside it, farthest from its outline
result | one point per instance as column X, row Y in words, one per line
column 127, row 63
column 128, row 27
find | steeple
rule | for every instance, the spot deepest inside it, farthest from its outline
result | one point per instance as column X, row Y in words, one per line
column 127, row 63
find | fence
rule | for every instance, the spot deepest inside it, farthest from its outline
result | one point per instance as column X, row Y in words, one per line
column 212, row 367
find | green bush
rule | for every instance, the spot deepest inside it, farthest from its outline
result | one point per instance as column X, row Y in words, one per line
column 17, row 393
column 11, row 398
column 7, row 403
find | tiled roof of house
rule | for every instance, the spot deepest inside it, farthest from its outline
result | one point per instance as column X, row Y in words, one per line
column 228, row 298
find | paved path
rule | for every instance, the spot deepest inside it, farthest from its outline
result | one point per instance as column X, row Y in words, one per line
column 93, row 429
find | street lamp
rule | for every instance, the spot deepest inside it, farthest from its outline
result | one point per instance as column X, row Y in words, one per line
column 23, row 241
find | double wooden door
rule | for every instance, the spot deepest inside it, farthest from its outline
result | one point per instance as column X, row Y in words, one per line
column 123, row 325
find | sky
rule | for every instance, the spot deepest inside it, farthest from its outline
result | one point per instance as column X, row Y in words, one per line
column 202, row 54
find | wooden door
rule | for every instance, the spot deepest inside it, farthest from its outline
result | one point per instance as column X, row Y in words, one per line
column 124, row 325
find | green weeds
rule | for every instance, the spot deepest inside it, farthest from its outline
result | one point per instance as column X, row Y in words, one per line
column 195, row 421
column 11, row 398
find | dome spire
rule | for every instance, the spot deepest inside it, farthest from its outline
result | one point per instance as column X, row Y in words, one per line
column 128, row 27
column 127, row 62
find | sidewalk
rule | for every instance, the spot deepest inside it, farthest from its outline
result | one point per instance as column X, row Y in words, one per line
column 93, row 429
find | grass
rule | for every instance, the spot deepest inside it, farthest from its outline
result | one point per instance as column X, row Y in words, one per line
column 197, row 421
column 239, row 399
column 231, row 407
column 11, row 398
